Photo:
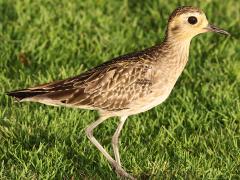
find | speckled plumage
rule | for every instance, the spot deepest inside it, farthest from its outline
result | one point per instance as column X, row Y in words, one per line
column 116, row 85
column 128, row 84
column 183, row 10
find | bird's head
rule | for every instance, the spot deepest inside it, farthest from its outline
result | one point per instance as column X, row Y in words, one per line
column 186, row 22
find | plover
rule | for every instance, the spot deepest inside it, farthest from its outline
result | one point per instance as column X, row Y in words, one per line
column 129, row 84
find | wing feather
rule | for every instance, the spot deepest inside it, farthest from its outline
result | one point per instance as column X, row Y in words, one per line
column 114, row 88
column 111, row 86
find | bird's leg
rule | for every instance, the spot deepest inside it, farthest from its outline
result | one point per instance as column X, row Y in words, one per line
column 89, row 133
column 115, row 138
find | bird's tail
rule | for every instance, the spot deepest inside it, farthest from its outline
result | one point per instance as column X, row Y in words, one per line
column 23, row 94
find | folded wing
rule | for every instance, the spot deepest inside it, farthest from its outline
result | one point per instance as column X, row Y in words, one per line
column 111, row 86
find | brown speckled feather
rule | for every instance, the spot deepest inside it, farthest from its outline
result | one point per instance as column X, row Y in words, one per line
column 183, row 10
column 110, row 86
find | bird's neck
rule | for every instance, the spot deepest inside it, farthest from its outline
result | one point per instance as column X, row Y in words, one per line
column 175, row 55
column 177, row 49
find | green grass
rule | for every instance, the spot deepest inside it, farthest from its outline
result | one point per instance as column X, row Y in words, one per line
column 195, row 134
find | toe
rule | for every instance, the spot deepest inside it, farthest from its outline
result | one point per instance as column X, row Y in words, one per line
column 122, row 173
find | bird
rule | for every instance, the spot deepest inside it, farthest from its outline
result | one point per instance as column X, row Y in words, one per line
column 129, row 84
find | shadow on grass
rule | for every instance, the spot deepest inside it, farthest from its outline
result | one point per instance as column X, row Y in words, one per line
column 73, row 164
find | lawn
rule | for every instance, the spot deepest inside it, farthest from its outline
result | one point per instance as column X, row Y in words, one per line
column 195, row 134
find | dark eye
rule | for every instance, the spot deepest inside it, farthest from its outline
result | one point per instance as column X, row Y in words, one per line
column 192, row 20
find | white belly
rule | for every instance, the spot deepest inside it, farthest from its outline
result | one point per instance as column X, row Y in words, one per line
column 150, row 101
column 154, row 103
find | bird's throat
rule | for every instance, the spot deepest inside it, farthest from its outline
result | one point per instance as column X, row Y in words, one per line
column 178, row 51
column 175, row 57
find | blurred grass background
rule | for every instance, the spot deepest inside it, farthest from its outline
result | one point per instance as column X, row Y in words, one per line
column 195, row 134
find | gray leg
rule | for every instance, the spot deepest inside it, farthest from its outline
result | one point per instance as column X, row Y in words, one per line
column 115, row 139
column 89, row 131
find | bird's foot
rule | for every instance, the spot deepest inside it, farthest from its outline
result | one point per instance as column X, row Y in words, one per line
column 122, row 173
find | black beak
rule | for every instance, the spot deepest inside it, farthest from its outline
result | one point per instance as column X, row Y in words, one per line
column 213, row 28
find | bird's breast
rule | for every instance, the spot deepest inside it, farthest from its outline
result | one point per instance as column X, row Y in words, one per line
column 156, row 97
column 163, row 83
